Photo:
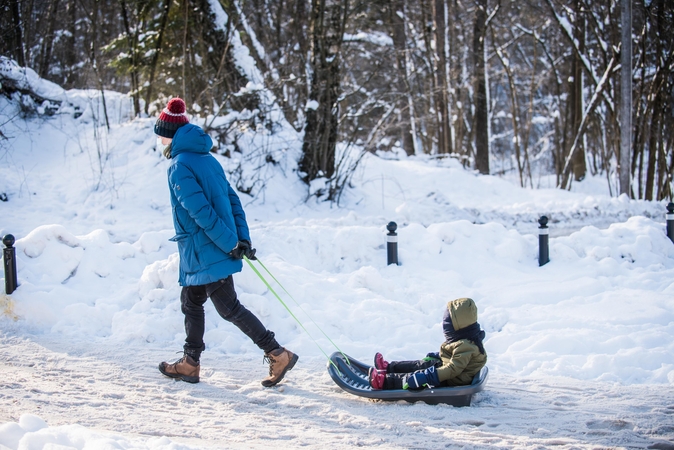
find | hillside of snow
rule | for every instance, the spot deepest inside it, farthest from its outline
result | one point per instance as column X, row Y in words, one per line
column 581, row 350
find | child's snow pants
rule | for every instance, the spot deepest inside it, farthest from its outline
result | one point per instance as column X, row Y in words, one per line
column 398, row 371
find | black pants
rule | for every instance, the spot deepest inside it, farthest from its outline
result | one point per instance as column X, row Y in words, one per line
column 397, row 372
column 227, row 304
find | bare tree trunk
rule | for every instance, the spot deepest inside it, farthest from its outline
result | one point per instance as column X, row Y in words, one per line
column 300, row 32
column 456, row 52
column 656, row 141
column 18, row 34
column 92, row 56
column 186, row 27
column 576, row 102
column 397, row 23
column 279, row 14
column 641, row 113
column 29, row 29
column 529, row 119
column 666, row 175
column 428, row 127
column 582, row 127
column 515, row 116
column 638, row 161
column 625, row 95
column 320, row 131
column 442, row 97
column 47, row 40
column 481, row 123
column 71, row 74
column 666, row 132
column 132, row 38
column 157, row 51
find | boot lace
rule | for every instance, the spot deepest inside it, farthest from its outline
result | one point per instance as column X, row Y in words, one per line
column 179, row 359
column 269, row 359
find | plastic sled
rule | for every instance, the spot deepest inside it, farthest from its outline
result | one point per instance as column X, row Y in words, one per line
column 353, row 379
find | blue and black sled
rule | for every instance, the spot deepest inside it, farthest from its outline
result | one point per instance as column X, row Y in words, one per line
column 353, row 378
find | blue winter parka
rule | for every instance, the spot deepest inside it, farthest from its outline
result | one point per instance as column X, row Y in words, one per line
column 207, row 214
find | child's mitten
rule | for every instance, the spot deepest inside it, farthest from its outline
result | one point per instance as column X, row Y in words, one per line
column 422, row 378
column 432, row 356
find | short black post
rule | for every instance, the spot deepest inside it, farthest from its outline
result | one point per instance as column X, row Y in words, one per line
column 392, row 243
column 670, row 221
column 9, row 256
column 543, row 250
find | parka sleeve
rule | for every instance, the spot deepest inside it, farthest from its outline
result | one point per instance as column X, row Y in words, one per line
column 453, row 366
column 191, row 196
column 239, row 215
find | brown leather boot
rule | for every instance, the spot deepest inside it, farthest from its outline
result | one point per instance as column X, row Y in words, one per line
column 280, row 361
column 186, row 369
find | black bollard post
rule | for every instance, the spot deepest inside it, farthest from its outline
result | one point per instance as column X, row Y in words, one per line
column 392, row 243
column 9, row 256
column 543, row 250
column 670, row 221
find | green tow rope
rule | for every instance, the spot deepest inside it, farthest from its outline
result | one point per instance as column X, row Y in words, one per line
column 291, row 313
column 307, row 314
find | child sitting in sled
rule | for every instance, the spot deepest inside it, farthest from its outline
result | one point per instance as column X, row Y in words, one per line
column 460, row 358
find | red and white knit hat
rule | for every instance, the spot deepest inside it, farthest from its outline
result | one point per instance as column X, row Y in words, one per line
column 171, row 118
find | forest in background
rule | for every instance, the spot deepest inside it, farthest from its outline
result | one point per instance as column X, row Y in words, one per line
column 516, row 87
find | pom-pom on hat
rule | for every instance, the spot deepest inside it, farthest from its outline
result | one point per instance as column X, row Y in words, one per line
column 171, row 118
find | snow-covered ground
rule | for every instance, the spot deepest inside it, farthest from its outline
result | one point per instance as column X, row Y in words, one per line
column 581, row 350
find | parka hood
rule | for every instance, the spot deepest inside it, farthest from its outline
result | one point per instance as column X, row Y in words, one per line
column 461, row 313
column 190, row 138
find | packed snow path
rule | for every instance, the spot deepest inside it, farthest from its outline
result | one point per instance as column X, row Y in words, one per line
column 119, row 390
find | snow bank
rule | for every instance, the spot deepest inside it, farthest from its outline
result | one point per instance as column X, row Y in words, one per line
column 27, row 79
column 601, row 309
column 427, row 190
column 75, row 284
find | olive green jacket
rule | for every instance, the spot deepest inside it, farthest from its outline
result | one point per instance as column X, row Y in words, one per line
column 461, row 360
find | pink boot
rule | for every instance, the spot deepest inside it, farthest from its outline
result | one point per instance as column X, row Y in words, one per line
column 380, row 363
column 377, row 378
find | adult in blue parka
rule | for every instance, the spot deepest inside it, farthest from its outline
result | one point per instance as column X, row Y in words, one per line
column 213, row 237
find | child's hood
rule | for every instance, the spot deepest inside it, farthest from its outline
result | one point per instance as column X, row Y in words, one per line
column 463, row 313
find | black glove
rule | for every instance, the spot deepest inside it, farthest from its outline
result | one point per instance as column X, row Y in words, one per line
column 243, row 248
column 250, row 252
